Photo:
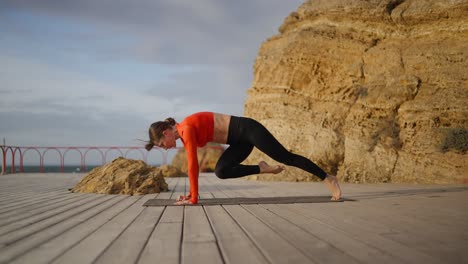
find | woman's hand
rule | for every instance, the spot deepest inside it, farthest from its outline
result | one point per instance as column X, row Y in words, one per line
column 184, row 202
column 183, row 198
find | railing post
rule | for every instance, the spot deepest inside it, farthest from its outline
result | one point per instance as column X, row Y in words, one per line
column 12, row 161
column 83, row 165
column 3, row 161
column 21, row 161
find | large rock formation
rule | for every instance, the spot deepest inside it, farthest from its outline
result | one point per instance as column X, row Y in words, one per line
column 374, row 91
column 125, row 176
column 207, row 158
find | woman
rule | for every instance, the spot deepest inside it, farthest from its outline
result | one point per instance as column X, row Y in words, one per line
column 242, row 134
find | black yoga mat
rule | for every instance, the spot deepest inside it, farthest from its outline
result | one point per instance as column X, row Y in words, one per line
column 244, row 200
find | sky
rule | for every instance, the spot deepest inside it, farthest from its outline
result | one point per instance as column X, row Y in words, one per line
column 99, row 72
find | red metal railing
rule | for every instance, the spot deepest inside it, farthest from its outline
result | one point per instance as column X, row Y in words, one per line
column 62, row 151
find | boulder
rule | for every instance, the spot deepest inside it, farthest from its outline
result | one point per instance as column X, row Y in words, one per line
column 125, row 176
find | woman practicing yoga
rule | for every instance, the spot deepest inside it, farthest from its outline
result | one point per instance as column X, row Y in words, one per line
column 242, row 134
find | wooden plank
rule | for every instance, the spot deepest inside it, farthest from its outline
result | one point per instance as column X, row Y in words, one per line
column 410, row 193
column 88, row 249
column 245, row 188
column 18, row 185
column 364, row 231
column 55, row 226
column 37, row 218
column 165, row 241
column 206, row 188
column 30, row 198
column 455, row 220
column 261, row 188
column 387, row 243
column 272, row 246
column 36, row 208
column 235, row 245
column 264, row 194
column 225, row 187
column 350, row 246
column 59, row 247
column 213, row 187
column 32, row 203
column 129, row 245
column 18, row 182
column 33, row 227
column 37, row 201
column 44, row 183
column 180, row 188
column 199, row 243
column 31, row 211
column 172, row 183
column 448, row 210
column 316, row 249
column 11, row 195
column 439, row 242
column 390, row 215
column 29, row 183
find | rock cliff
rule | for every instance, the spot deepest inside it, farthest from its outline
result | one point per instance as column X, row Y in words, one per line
column 373, row 91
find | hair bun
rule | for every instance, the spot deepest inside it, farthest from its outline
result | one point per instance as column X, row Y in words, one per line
column 149, row 146
column 171, row 121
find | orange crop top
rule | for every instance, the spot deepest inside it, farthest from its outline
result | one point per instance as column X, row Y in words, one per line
column 195, row 131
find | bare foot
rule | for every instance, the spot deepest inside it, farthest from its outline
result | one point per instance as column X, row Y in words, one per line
column 265, row 168
column 332, row 183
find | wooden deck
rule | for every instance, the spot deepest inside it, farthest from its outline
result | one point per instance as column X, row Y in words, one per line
column 41, row 222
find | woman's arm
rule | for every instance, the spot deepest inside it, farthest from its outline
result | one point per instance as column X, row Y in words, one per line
column 192, row 160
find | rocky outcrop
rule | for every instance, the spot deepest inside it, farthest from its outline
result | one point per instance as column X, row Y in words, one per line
column 125, row 176
column 171, row 171
column 374, row 91
column 207, row 158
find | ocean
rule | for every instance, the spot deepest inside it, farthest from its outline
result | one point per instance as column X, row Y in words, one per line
column 55, row 168
column 52, row 168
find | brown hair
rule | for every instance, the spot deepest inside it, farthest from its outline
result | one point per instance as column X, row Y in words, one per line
column 156, row 131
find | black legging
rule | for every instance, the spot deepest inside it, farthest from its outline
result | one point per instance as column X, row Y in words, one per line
column 245, row 134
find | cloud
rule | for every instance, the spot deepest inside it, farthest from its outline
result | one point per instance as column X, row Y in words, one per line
column 99, row 72
column 213, row 84
column 174, row 31
column 55, row 90
column 48, row 129
column 63, row 104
